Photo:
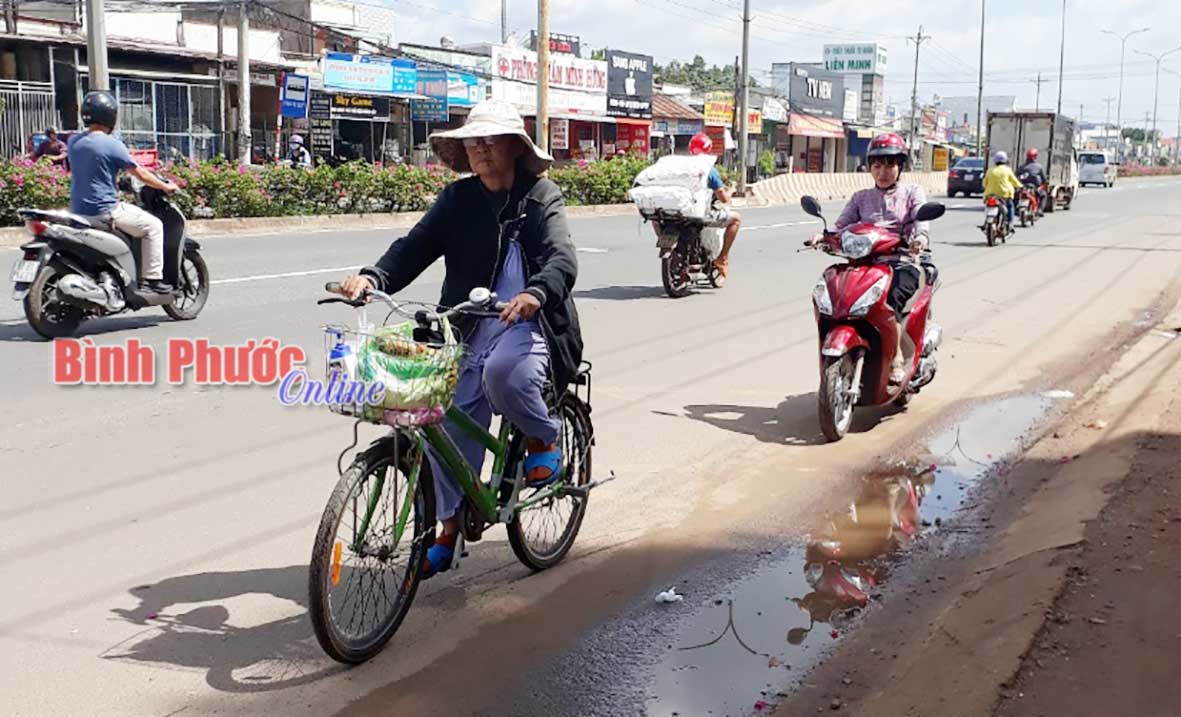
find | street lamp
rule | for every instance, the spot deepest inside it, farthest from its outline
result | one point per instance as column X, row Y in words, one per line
column 1155, row 96
column 1119, row 127
column 1177, row 138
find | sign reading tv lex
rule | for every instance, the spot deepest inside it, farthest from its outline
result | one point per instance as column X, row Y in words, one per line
column 369, row 74
column 855, row 59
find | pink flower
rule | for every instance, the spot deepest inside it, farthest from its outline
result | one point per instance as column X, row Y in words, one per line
column 241, row 169
column 181, row 183
column 18, row 181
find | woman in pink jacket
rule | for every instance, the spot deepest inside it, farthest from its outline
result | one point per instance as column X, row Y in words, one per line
column 893, row 205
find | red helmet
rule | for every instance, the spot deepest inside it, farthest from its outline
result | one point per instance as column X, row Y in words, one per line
column 701, row 144
column 1031, row 154
column 888, row 145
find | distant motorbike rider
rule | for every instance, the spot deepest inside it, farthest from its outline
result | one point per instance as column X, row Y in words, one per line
column 719, row 216
column 1000, row 182
column 894, row 205
column 1033, row 175
column 299, row 154
column 95, row 161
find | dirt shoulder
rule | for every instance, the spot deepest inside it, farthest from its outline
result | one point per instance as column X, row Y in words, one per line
column 1116, row 621
column 954, row 634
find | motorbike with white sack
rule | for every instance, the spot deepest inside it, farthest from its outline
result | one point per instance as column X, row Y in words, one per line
column 673, row 195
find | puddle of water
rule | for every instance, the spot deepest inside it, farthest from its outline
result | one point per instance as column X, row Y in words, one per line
column 745, row 648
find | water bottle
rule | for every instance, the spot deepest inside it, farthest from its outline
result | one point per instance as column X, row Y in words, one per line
column 342, row 360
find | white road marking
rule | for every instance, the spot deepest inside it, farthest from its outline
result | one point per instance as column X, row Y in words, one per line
column 591, row 250
column 284, row 275
column 780, row 225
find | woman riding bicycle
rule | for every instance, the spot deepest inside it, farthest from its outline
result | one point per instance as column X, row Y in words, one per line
column 504, row 228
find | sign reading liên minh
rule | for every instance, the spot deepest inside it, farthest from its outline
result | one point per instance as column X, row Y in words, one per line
column 858, row 59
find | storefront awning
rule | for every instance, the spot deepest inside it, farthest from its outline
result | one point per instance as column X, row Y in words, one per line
column 633, row 121
column 811, row 126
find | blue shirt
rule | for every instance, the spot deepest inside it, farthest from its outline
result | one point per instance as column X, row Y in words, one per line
column 95, row 160
column 715, row 179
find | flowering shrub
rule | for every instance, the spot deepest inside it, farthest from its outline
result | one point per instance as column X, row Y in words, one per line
column 23, row 183
column 604, row 182
column 1136, row 170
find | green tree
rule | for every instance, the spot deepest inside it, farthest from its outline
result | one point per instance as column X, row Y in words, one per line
column 697, row 75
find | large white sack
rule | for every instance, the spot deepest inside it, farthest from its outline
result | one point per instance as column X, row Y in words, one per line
column 688, row 171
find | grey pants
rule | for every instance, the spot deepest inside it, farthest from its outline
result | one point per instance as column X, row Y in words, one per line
column 504, row 376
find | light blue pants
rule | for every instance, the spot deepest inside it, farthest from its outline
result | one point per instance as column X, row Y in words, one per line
column 505, row 376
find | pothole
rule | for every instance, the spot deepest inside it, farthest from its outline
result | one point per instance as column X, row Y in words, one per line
column 744, row 648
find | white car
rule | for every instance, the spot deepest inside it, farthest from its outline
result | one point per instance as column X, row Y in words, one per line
column 1096, row 168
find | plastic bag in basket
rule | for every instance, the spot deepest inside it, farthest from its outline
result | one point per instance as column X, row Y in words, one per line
column 415, row 375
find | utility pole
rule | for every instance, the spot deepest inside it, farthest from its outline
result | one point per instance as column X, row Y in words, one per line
column 222, row 100
column 244, row 140
column 503, row 22
column 1156, row 94
column 1062, row 57
column 1107, row 124
column 744, row 99
column 1119, row 105
column 1037, row 103
column 980, row 89
column 1177, row 138
column 543, row 74
column 96, row 46
column 10, row 16
column 918, row 40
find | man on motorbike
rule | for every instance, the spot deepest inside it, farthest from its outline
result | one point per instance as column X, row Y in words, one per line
column 1000, row 182
column 894, row 205
column 505, row 226
column 95, row 161
column 299, row 154
column 1032, row 175
column 719, row 216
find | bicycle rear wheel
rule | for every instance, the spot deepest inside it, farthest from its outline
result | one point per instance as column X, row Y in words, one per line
column 542, row 533
column 369, row 548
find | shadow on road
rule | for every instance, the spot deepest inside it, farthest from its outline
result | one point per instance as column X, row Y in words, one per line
column 620, row 293
column 252, row 658
column 793, row 422
column 21, row 332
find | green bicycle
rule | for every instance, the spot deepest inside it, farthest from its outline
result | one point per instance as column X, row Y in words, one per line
column 380, row 519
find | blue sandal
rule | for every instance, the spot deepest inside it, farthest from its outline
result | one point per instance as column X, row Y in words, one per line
column 542, row 457
column 439, row 558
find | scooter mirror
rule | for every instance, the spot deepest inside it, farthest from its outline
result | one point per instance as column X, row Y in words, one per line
column 929, row 211
column 810, row 205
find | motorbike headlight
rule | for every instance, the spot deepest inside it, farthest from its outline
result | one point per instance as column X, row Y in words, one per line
column 870, row 297
column 820, row 297
column 857, row 246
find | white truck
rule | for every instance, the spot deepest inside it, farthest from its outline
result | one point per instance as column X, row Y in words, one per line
column 1053, row 135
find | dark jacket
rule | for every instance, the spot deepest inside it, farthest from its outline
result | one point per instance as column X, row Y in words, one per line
column 1031, row 174
column 463, row 228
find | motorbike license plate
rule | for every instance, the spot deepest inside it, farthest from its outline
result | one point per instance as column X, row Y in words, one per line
column 993, row 211
column 24, row 271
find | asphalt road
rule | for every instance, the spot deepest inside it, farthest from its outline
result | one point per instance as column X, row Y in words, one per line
column 156, row 538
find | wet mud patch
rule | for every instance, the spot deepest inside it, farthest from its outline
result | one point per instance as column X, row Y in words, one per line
column 742, row 646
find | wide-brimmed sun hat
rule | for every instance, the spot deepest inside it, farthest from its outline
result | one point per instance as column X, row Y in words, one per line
column 490, row 118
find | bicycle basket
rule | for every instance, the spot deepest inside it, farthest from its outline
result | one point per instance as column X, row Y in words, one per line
column 419, row 378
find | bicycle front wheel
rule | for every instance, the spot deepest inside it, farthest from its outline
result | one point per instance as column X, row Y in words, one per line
column 542, row 532
column 369, row 548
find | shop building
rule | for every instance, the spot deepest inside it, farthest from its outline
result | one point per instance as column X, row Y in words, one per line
column 673, row 125
column 814, row 138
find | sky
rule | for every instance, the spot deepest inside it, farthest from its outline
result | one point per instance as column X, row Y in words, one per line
column 1022, row 37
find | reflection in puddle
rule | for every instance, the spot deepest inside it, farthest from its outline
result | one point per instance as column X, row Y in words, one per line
column 742, row 651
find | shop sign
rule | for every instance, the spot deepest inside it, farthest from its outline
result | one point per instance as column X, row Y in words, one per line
column 719, row 108
column 576, row 85
column 632, row 138
column 629, row 84
column 320, row 121
column 754, row 122
column 850, row 105
column 294, row 99
column 360, row 107
column 369, row 73
column 856, row 59
column 559, row 134
column 429, row 110
column 773, row 110
column 717, row 135
column 459, row 89
column 810, row 88
column 566, row 44
column 939, row 159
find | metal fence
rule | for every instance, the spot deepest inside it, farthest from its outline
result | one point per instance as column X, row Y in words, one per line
column 25, row 109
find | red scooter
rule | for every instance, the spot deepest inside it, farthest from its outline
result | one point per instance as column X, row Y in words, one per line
column 1028, row 206
column 859, row 333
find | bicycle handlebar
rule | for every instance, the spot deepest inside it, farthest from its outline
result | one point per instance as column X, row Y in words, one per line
column 422, row 316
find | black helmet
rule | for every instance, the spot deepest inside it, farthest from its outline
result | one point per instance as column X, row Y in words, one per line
column 100, row 107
